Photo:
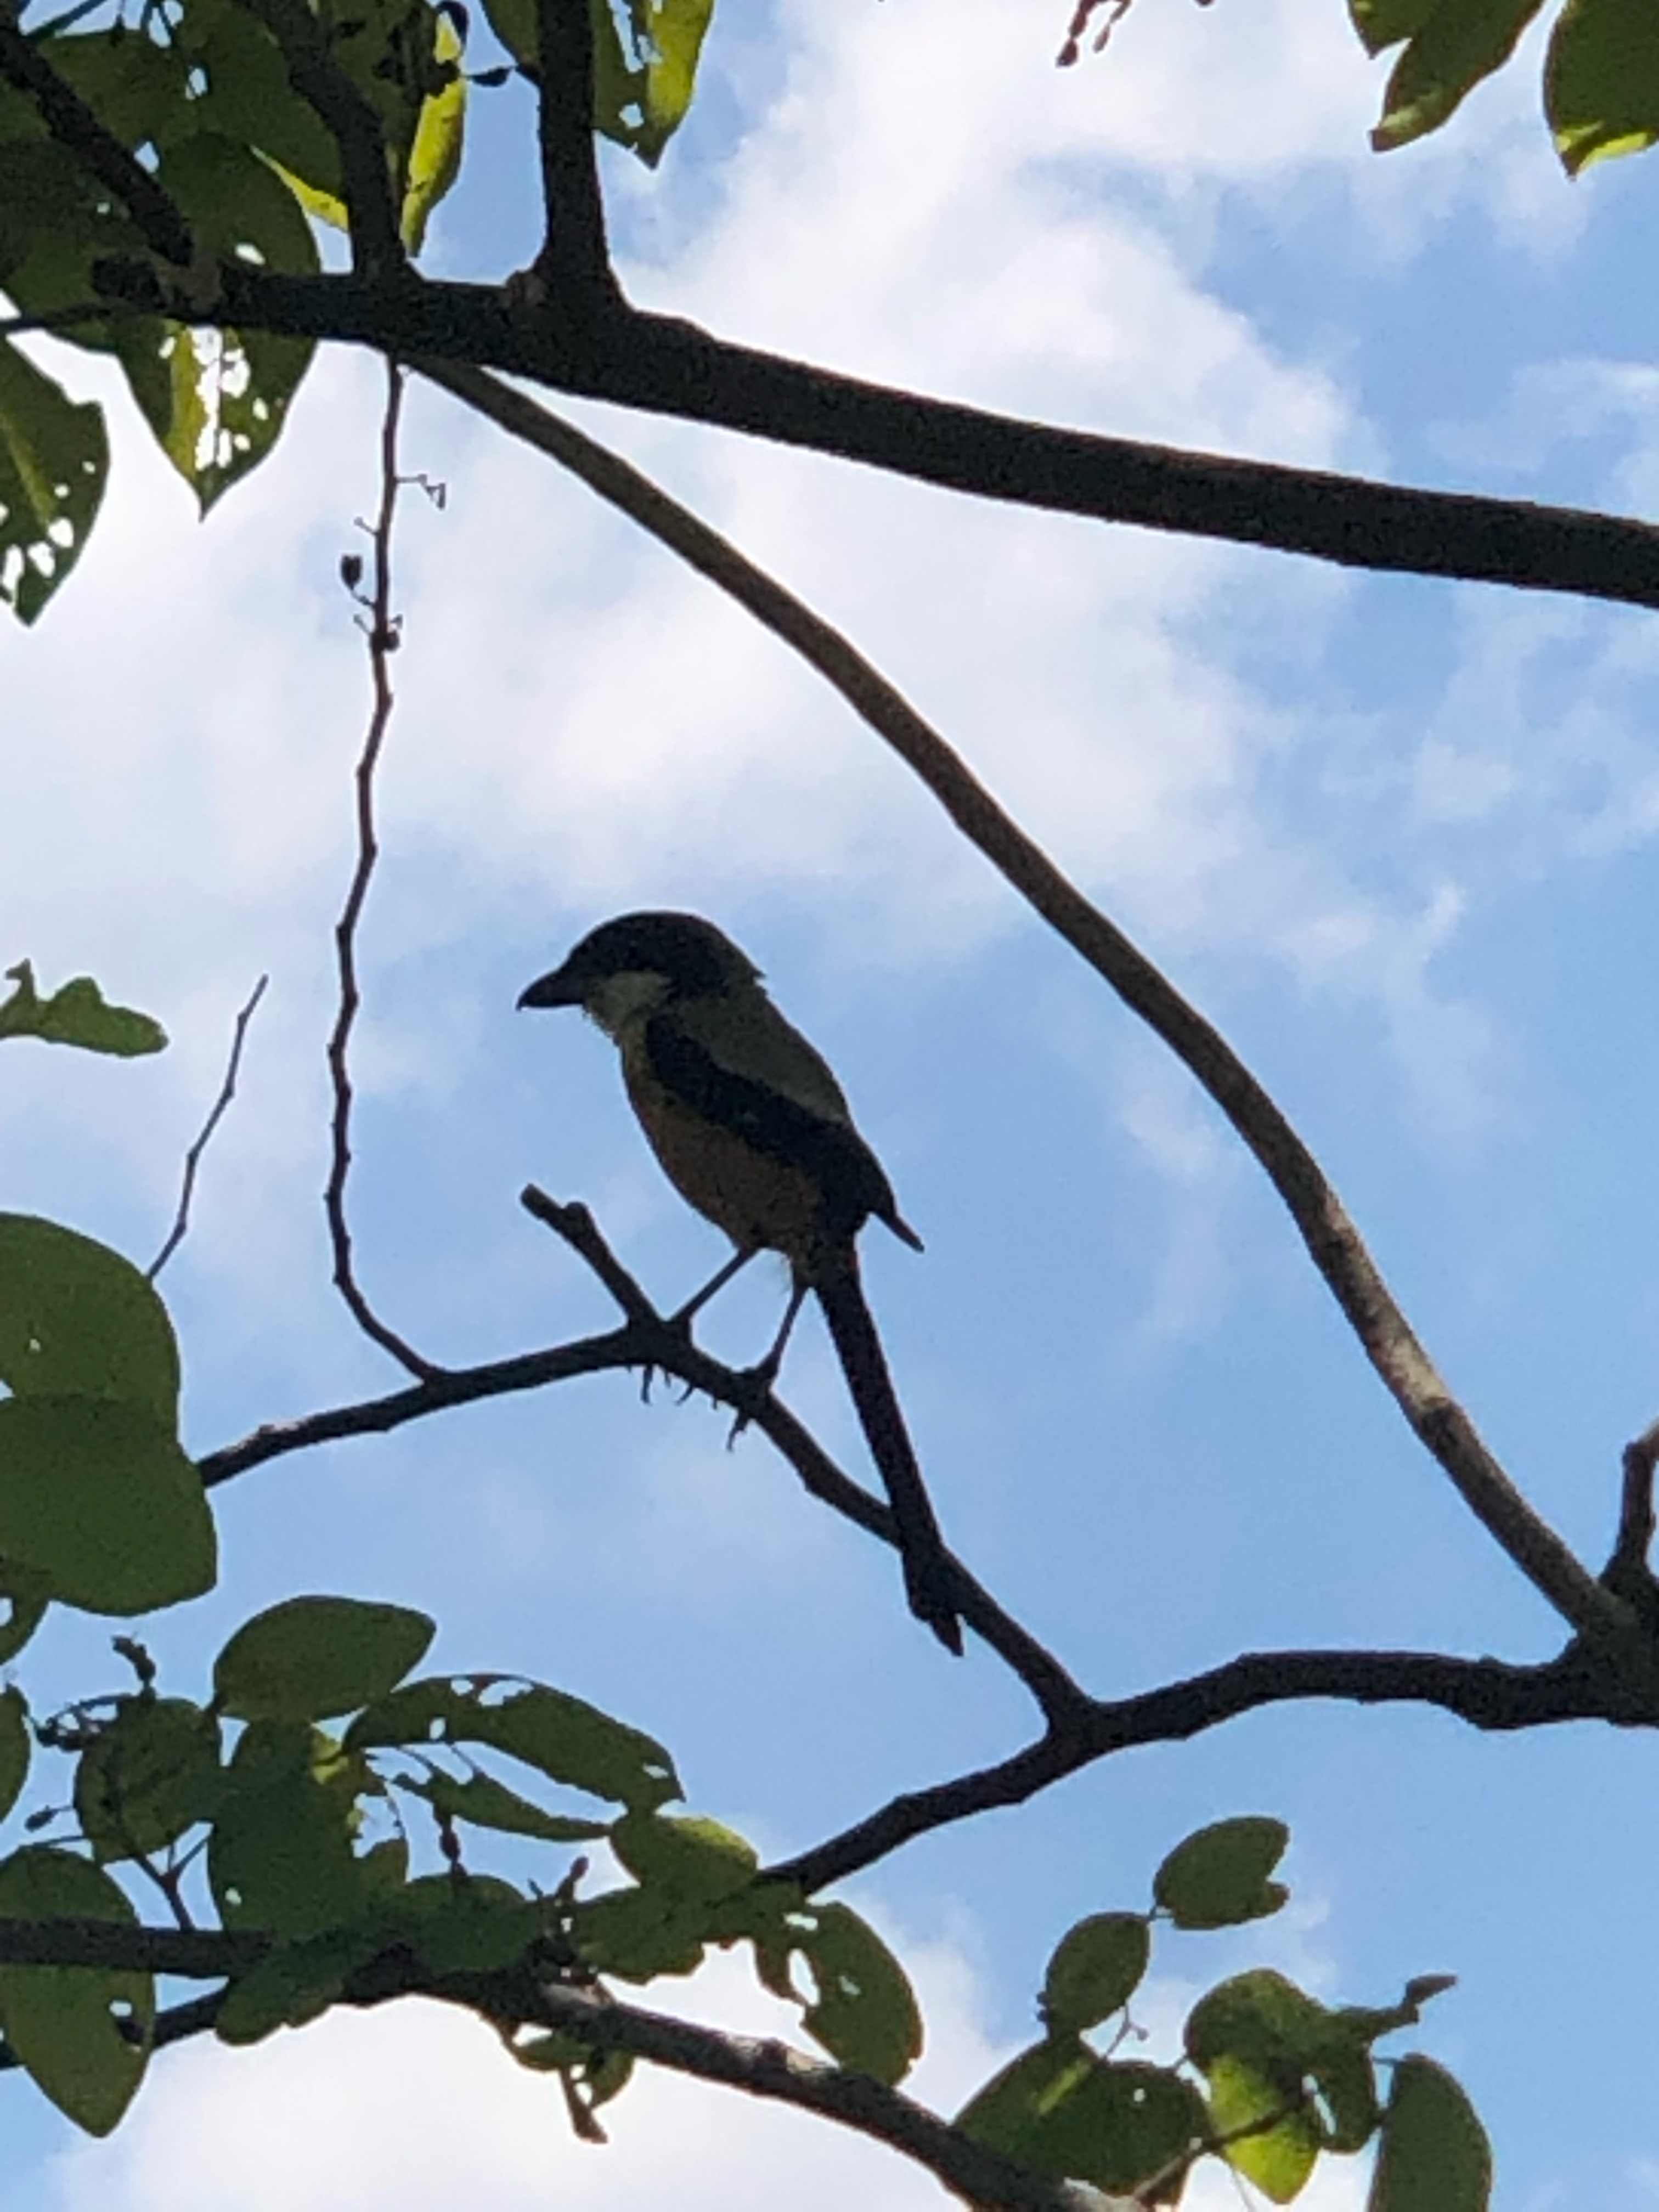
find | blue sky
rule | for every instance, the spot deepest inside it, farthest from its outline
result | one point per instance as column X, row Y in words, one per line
column 1395, row 836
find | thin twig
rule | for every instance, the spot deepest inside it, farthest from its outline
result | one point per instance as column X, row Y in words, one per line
column 383, row 633
column 1332, row 1242
column 180, row 1227
column 50, row 320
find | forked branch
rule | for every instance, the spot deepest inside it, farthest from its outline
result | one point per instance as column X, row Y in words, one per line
column 1334, row 1245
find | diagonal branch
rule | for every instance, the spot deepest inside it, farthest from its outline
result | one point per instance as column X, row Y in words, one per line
column 180, row 1228
column 349, row 117
column 74, row 125
column 518, row 1997
column 648, row 1340
column 1487, row 1693
column 1333, row 1243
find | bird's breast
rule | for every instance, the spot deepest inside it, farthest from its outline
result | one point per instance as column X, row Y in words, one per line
column 760, row 1202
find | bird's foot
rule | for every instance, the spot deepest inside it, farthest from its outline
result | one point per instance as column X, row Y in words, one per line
column 755, row 1384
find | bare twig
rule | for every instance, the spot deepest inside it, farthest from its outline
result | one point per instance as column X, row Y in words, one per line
column 382, row 631
column 74, row 126
column 65, row 319
column 1333, row 1243
column 371, row 203
column 176, row 1235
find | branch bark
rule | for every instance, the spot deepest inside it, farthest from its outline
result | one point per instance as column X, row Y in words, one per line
column 1333, row 1243
column 668, row 367
column 764, row 2068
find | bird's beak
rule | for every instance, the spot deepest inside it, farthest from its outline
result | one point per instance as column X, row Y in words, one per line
column 553, row 989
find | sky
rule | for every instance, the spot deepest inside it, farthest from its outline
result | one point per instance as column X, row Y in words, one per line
column 1396, row 836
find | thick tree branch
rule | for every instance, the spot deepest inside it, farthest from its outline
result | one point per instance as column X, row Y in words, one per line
column 74, row 125
column 763, row 2068
column 1488, row 1693
column 1333, row 1243
column 672, row 367
column 575, row 262
column 372, row 210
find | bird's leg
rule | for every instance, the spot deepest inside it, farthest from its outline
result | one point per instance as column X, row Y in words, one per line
column 766, row 1373
column 682, row 1318
column 759, row 1379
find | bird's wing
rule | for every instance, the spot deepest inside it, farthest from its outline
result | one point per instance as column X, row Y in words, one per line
column 759, row 1078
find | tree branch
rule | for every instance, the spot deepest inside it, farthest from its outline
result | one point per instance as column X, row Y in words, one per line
column 74, row 125
column 372, row 210
column 647, row 1340
column 382, row 631
column 180, row 1228
column 1333, row 1243
column 1488, row 1693
column 672, row 367
column 767, row 2069
column 575, row 262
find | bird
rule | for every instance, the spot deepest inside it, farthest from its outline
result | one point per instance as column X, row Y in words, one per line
column 749, row 1125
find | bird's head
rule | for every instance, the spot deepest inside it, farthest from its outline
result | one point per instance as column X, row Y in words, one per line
column 627, row 967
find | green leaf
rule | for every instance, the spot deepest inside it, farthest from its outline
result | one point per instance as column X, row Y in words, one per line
column 78, row 1321
column 1602, row 80
column 488, row 1803
column 1459, row 42
column 642, row 87
column 638, row 1934
column 247, row 95
column 150, row 1775
column 1278, row 2157
column 23, row 1601
column 217, row 399
column 14, row 1747
column 1434, row 2155
column 865, row 2014
column 310, row 1658
column 294, row 1982
column 54, row 461
column 1062, row 2112
column 461, row 1924
column 1385, row 24
column 692, row 1860
column 560, row 1736
column 78, row 1014
column 133, row 83
column 280, row 1856
column 1217, row 1877
column 83, row 2033
column 1264, row 2046
column 1096, row 1968
column 434, row 156
column 670, row 35
column 97, row 1499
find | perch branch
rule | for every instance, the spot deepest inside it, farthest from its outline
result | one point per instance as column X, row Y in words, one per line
column 1332, row 1242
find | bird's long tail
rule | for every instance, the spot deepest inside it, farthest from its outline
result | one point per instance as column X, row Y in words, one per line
column 926, row 1572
